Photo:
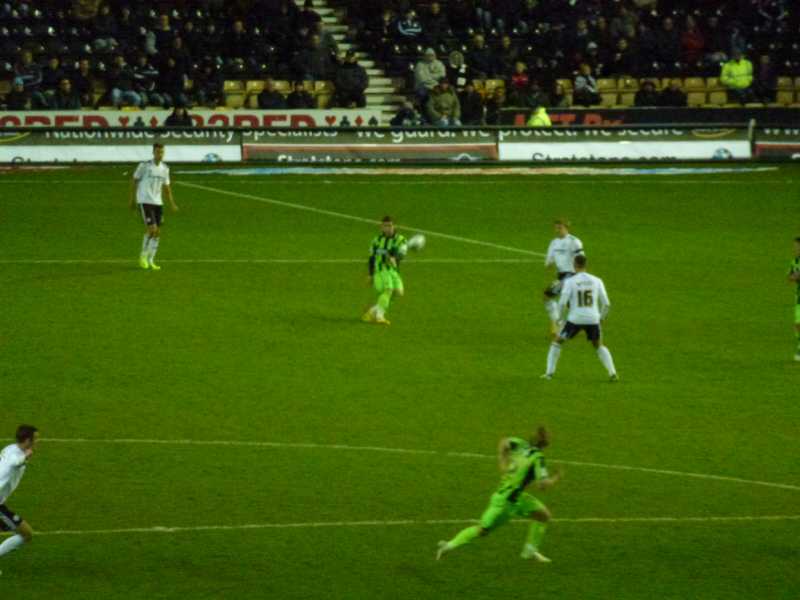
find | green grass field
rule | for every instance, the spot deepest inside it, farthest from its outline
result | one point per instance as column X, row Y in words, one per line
column 348, row 448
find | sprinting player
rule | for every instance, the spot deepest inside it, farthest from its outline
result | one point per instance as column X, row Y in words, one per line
column 521, row 463
column 588, row 306
column 794, row 276
column 561, row 252
column 150, row 178
column 13, row 461
column 386, row 252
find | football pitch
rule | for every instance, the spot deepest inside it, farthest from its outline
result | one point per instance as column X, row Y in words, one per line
column 227, row 427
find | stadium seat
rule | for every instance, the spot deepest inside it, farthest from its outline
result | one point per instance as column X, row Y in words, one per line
column 606, row 85
column 717, row 98
column 785, row 83
column 492, row 84
column 323, row 88
column 608, row 99
column 251, row 100
column 566, row 84
column 696, row 99
column 694, row 84
column 323, row 100
column 664, row 82
column 797, row 83
column 784, row 97
column 234, row 99
column 233, row 85
column 754, row 105
column 628, row 83
column 254, row 86
column 283, row 86
column 713, row 84
column 627, row 99
column 479, row 87
column 5, row 86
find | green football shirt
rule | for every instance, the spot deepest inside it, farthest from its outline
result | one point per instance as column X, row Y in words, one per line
column 525, row 466
column 382, row 248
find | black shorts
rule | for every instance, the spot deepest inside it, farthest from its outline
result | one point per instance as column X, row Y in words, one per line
column 555, row 288
column 570, row 330
column 151, row 214
column 8, row 520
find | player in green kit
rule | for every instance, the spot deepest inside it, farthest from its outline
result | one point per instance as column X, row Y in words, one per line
column 794, row 276
column 386, row 252
column 521, row 463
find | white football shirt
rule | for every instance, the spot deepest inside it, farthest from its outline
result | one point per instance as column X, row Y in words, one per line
column 12, row 468
column 562, row 251
column 587, row 298
column 150, row 178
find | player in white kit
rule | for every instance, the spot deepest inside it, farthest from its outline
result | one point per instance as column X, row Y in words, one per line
column 588, row 306
column 150, row 178
column 13, row 461
column 560, row 253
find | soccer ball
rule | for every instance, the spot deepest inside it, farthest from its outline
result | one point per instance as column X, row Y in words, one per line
column 417, row 242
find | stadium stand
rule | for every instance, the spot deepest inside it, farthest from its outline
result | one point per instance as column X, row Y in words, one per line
column 216, row 53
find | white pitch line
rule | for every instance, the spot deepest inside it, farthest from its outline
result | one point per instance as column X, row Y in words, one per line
column 643, row 179
column 308, row 445
column 339, row 215
column 260, row 261
column 410, row 522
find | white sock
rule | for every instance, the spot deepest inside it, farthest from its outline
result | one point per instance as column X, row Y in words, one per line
column 605, row 357
column 552, row 358
column 11, row 544
column 552, row 309
column 151, row 253
column 379, row 312
column 145, row 244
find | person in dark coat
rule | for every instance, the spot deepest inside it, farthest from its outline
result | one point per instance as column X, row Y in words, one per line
column 351, row 82
column 300, row 98
column 270, row 98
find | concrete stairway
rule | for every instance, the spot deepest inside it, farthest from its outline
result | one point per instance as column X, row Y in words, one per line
column 382, row 94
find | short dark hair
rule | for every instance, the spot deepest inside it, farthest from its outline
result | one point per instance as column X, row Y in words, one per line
column 580, row 261
column 158, row 145
column 562, row 221
column 386, row 219
column 25, row 433
column 797, row 239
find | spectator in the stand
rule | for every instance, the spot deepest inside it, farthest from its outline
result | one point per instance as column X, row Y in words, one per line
column 506, row 56
column 31, row 74
column 766, row 81
column 145, row 75
column 623, row 22
column 120, row 84
column 211, row 40
column 52, row 75
column 737, row 76
column 586, row 93
column 351, row 82
column 716, row 41
column 179, row 118
column 195, row 42
column 237, row 41
column 738, row 41
column 480, row 58
column 494, row 106
column 693, row 42
column 327, row 42
column 308, row 17
column 648, row 46
column 444, row 109
column 647, row 95
column 65, row 97
column 471, row 103
column 84, row 10
column 19, row 98
column 669, row 43
column 178, row 52
column 104, row 26
column 83, row 82
column 673, row 96
column 314, row 62
column 580, row 38
column 434, row 24
column 427, row 72
column 208, row 85
column 461, row 14
column 559, row 97
column 519, row 78
column 164, row 33
column 128, row 29
column 407, row 116
column 457, row 70
column 270, row 98
column 172, row 81
column 534, row 95
column 299, row 97
column 409, row 28
column 623, row 61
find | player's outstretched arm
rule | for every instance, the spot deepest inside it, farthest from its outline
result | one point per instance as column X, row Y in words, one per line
column 548, row 482
column 170, row 199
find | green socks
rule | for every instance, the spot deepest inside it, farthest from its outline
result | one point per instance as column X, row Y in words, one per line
column 465, row 536
column 535, row 534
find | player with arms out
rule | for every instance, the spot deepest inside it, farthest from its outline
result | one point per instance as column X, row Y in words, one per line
column 794, row 277
column 149, row 179
column 386, row 252
column 560, row 254
column 13, row 461
column 588, row 306
column 521, row 463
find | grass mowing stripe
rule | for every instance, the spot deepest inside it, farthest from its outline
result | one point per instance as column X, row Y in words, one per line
column 339, row 215
column 278, row 261
column 313, row 446
column 408, row 522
